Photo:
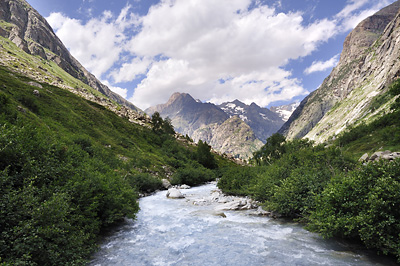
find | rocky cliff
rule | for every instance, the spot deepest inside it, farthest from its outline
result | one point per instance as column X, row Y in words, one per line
column 369, row 62
column 29, row 31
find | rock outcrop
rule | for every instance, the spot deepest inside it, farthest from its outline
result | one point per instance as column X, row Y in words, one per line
column 380, row 155
column 27, row 29
column 369, row 62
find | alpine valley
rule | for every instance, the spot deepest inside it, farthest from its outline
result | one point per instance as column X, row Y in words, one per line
column 77, row 160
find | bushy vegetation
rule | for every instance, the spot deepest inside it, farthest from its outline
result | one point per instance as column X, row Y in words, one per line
column 70, row 168
column 326, row 188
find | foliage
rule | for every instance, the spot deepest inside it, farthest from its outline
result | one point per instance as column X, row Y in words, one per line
column 144, row 182
column 271, row 151
column 161, row 126
column 55, row 198
column 192, row 176
column 204, row 155
column 362, row 204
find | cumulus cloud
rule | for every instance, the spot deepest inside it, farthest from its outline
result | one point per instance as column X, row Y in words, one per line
column 207, row 41
column 215, row 50
column 318, row 66
column 98, row 43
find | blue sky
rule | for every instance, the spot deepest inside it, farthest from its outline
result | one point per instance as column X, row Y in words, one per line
column 262, row 51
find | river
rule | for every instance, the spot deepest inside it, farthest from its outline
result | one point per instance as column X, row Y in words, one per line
column 184, row 232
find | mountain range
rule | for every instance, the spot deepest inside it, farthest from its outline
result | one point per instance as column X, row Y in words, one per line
column 233, row 128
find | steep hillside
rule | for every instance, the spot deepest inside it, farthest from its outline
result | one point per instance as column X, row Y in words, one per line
column 352, row 92
column 262, row 121
column 29, row 31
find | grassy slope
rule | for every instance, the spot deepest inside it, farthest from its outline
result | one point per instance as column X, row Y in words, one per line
column 70, row 167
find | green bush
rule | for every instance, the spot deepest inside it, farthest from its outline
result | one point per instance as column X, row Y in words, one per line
column 192, row 176
column 363, row 204
column 144, row 182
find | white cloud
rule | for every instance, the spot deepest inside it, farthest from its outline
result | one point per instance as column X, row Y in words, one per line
column 318, row 66
column 192, row 45
column 208, row 40
column 130, row 71
column 96, row 44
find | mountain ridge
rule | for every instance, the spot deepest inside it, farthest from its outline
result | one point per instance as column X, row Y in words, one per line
column 28, row 30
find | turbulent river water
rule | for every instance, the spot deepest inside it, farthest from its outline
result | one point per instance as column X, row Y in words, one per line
column 179, row 232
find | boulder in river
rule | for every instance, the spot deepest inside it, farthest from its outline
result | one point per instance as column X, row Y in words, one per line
column 174, row 193
column 166, row 184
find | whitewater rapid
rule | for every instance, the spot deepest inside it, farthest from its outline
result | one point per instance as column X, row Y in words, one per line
column 184, row 232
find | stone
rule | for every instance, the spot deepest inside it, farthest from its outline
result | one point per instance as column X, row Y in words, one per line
column 166, row 184
column 36, row 93
column 184, row 187
column 364, row 157
column 375, row 156
column 174, row 193
column 35, row 84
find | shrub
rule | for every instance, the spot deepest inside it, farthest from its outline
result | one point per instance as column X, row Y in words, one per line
column 362, row 204
column 192, row 176
column 144, row 182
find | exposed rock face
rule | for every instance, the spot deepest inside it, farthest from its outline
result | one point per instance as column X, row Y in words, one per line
column 380, row 155
column 262, row 121
column 233, row 137
column 369, row 63
column 25, row 27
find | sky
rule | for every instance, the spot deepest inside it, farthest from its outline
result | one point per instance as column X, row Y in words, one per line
column 262, row 51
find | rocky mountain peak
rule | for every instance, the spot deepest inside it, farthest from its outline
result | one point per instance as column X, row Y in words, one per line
column 180, row 97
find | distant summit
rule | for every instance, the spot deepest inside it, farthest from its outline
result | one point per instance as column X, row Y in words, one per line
column 285, row 111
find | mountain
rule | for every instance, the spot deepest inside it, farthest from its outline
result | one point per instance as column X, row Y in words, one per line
column 187, row 114
column 285, row 111
column 354, row 91
column 262, row 121
column 233, row 137
column 29, row 31
column 248, row 125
